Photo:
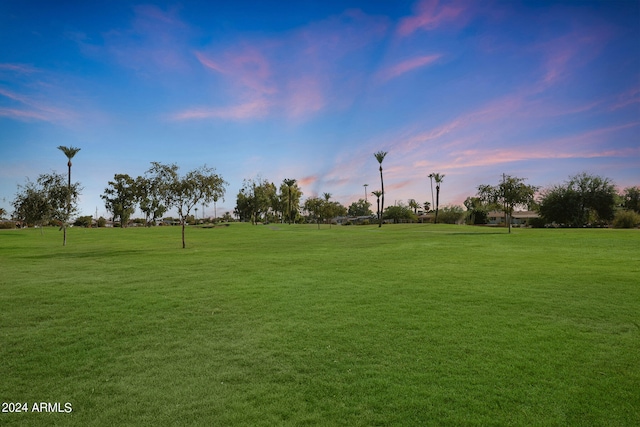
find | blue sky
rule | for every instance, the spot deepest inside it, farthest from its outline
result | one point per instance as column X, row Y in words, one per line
column 311, row 89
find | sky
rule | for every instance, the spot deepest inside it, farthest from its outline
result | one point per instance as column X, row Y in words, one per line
column 311, row 89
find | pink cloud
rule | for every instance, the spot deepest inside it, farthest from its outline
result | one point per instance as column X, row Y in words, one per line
column 406, row 66
column 246, row 67
column 256, row 108
column 307, row 180
column 298, row 73
column 623, row 100
column 36, row 109
column 429, row 15
column 18, row 68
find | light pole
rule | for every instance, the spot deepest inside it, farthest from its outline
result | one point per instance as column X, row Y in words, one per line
column 365, row 192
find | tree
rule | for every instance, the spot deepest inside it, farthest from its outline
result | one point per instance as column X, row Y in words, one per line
column 149, row 198
column 47, row 199
column 120, row 198
column 380, row 155
column 511, row 192
column 200, row 185
column 427, row 206
column 3, row 212
column 584, row 199
column 399, row 213
column 378, row 193
column 477, row 211
column 631, row 199
column 360, row 208
column 70, row 152
column 254, row 199
column 83, row 221
column 438, row 179
column 293, row 195
column 451, row 214
column 431, row 179
column 314, row 206
column 414, row 205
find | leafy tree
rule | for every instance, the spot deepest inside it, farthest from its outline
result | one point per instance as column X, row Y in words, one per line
column 331, row 209
column 314, row 206
column 120, row 198
column 254, row 199
column 3, row 212
column 47, row 199
column 149, row 198
column 399, row 213
column 380, row 155
column 360, row 208
column 477, row 211
column 83, row 221
column 582, row 200
column 631, row 199
column 451, row 214
column 438, row 178
column 200, row 185
column 511, row 192
column 426, row 206
column 70, row 152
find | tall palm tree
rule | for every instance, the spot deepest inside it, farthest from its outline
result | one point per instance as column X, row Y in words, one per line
column 380, row 157
column 431, row 179
column 438, row 179
column 69, row 152
column 378, row 193
column 289, row 183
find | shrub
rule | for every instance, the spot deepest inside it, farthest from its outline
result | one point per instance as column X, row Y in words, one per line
column 5, row 225
column 450, row 214
column 536, row 222
column 626, row 219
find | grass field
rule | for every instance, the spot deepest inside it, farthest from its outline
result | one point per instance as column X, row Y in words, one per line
column 290, row 325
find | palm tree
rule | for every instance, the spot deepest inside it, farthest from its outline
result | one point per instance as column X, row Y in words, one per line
column 414, row 205
column 289, row 183
column 378, row 193
column 69, row 152
column 438, row 178
column 431, row 179
column 380, row 157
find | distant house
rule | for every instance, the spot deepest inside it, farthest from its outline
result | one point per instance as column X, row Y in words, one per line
column 517, row 218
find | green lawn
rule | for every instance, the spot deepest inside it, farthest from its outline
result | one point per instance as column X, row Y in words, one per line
column 290, row 325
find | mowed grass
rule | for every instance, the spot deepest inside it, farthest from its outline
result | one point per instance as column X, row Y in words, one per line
column 290, row 325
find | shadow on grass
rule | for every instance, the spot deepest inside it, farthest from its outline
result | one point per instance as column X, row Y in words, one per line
column 102, row 253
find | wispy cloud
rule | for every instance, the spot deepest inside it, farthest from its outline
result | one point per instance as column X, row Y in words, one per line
column 18, row 68
column 298, row 73
column 30, row 108
column 406, row 66
column 254, row 109
column 431, row 14
column 157, row 42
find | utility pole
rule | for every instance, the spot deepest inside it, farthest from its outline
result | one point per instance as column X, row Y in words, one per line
column 365, row 192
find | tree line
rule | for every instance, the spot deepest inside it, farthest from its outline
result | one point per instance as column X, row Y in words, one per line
column 583, row 200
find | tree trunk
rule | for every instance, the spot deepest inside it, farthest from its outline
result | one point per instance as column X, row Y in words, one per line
column 382, row 185
column 183, row 245
column 437, row 202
